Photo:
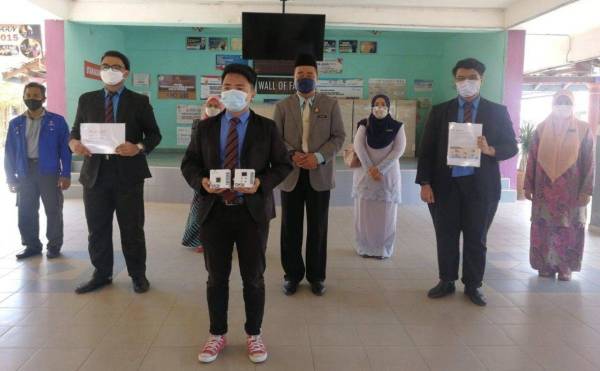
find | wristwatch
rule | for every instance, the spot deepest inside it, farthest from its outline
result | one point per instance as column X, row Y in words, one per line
column 141, row 147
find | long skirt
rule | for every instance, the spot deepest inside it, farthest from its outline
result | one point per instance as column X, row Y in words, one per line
column 375, row 226
column 191, row 235
column 556, row 249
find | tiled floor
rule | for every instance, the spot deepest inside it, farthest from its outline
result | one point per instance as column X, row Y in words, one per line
column 375, row 315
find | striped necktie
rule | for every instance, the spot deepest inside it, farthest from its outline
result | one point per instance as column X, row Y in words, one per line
column 468, row 112
column 109, row 113
column 231, row 154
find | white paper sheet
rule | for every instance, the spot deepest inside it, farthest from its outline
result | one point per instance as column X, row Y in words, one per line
column 102, row 138
column 462, row 144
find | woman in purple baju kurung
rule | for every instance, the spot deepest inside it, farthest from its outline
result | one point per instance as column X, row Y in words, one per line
column 559, row 182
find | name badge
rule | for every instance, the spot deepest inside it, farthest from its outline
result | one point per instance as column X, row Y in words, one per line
column 322, row 116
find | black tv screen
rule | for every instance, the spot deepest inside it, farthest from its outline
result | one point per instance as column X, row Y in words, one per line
column 282, row 36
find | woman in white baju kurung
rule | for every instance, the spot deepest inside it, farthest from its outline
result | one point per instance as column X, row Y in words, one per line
column 379, row 143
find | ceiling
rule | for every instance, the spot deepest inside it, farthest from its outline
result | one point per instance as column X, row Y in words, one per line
column 571, row 19
column 565, row 17
column 372, row 3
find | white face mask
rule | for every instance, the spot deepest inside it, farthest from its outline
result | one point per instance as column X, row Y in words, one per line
column 212, row 111
column 110, row 77
column 468, row 88
column 563, row 111
column 234, row 100
column 380, row 112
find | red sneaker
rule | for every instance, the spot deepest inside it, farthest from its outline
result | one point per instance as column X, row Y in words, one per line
column 214, row 345
column 257, row 352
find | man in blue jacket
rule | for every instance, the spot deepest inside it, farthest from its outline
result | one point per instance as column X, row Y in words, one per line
column 37, row 163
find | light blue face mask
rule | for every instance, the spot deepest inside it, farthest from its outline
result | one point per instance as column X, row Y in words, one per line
column 234, row 100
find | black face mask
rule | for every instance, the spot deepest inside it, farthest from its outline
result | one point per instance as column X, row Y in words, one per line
column 33, row 104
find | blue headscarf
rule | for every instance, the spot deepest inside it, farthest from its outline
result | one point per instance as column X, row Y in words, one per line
column 380, row 132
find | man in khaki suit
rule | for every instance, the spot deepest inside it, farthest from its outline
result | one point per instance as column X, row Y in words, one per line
column 313, row 131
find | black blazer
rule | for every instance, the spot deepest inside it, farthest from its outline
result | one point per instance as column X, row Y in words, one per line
column 498, row 131
column 140, row 127
column 263, row 150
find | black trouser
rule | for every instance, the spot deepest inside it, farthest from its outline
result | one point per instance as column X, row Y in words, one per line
column 30, row 189
column 292, row 223
column 101, row 201
column 464, row 208
column 225, row 226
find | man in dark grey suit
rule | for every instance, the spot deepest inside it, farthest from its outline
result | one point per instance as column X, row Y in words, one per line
column 115, row 183
column 464, row 199
column 313, row 131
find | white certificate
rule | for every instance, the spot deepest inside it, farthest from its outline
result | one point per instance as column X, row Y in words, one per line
column 102, row 138
column 462, row 144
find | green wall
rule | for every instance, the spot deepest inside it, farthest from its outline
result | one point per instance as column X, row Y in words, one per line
column 86, row 42
column 161, row 50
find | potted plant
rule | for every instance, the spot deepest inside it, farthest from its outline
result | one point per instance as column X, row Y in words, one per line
column 525, row 136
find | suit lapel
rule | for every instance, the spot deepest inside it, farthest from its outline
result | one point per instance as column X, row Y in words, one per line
column 482, row 112
column 98, row 107
column 453, row 111
column 215, row 135
column 248, row 138
column 294, row 106
column 314, row 111
column 124, row 101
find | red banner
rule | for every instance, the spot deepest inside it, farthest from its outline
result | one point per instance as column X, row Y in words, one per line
column 91, row 70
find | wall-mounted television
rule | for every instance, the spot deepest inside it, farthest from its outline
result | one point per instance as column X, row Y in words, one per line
column 282, row 36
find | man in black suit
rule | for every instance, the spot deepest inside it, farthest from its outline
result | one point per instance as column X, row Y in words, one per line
column 237, row 138
column 464, row 199
column 116, row 182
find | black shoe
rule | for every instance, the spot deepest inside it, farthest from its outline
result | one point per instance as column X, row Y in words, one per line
column 92, row 285
column 140, row 284
column 443, row 288
column 476, row 296
column 290, row 287
column 28, row 253
column 317, row 288
column 52, row 253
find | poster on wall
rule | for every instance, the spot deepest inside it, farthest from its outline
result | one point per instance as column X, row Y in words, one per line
column 275, row 85
column 176, row 87
column 348, row 46
column 187, row 113
column 274, row 67
column 210, row 85
column 393, row 88
column 217, row 43
column 342, row 88
column 331, row 66
column 236, row 44
column 368, row 47
column 21, row 53
column 195, row 43
column 222, row 60
column 141, row 79
column 329, row 46
column 184, row 135
column 91, row 70
column 423, row 86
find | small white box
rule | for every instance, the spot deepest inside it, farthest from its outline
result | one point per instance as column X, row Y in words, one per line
column 220, row 179
column 244, row 178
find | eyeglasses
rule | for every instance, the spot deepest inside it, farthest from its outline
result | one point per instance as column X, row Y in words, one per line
column 462, row 78
column 114, row 67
